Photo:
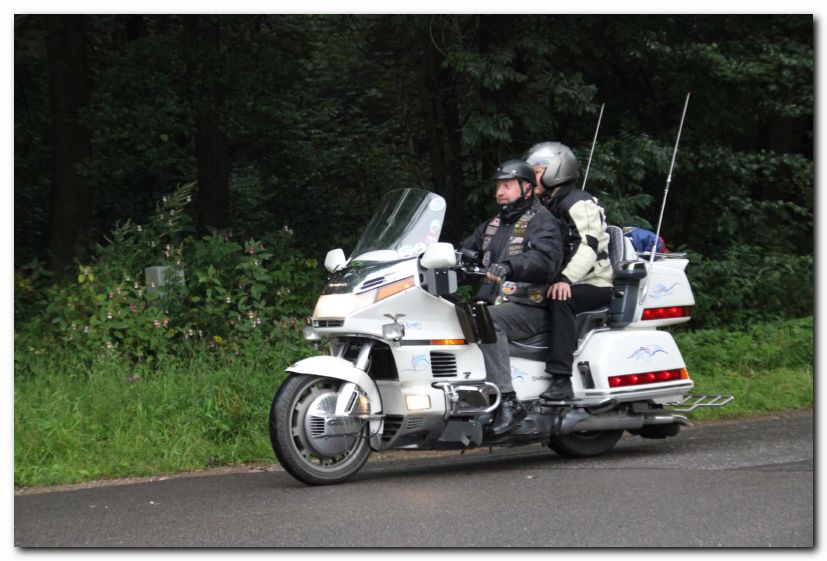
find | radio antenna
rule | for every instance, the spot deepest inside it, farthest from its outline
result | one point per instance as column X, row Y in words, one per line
column 663, row 205
column 599, row 118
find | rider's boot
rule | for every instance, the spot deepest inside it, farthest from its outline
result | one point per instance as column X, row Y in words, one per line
column 509, row 415
column 559, row 390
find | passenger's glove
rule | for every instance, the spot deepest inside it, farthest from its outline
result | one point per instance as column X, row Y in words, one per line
column 501, row 270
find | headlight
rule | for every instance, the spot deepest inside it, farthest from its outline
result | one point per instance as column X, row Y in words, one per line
column 342, row 305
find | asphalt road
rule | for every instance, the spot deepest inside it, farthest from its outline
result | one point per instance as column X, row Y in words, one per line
column 732, row 484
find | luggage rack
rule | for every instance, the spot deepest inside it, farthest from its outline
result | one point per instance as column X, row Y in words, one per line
column 646, row 255
column 692, row 402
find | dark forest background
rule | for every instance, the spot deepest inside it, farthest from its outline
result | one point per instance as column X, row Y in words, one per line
column 299, row 123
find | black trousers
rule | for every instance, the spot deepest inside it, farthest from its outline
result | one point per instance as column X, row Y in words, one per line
column 563, row 339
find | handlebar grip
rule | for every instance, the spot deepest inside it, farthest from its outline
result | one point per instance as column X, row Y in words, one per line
column 469, row 255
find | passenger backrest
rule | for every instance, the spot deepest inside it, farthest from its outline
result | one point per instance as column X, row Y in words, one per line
column 628, row 272
column 617, row 245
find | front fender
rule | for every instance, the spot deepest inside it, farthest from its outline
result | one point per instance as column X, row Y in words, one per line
column 341, row 369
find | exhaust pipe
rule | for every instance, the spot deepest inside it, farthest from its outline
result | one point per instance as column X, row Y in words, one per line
column 581, row 421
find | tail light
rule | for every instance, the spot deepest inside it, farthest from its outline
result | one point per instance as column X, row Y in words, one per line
column 667, row 313
column 648, row 378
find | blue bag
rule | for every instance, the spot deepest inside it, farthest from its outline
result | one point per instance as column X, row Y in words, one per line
column 643, row 239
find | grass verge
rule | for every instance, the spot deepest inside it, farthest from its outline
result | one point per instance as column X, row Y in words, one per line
column 768, row 367
column 74, row 422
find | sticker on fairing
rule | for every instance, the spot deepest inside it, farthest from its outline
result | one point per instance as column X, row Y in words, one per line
column 646, row 353
column 660, row 291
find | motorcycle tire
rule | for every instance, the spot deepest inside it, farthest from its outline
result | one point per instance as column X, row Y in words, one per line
column 293, row 446
column 584, row 444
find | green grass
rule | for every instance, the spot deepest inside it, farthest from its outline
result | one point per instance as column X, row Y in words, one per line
column 768, row 367
column 81, row 424
column 74, row 422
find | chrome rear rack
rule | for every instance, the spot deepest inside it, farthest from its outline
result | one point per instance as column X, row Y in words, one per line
column 692, row 402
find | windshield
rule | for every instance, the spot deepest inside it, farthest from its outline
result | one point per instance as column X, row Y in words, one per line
column 406, row 222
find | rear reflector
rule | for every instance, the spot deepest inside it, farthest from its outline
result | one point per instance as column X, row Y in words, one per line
column 667, row 313
column 648, row 378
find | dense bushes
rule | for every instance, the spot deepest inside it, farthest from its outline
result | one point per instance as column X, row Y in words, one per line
column 745, row 284
column 231, row 296
column 223, row 295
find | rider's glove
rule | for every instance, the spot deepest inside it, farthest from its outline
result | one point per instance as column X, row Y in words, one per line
column 501, row 270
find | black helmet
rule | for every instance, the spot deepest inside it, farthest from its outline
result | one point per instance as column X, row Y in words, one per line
column 515, row 169
column 559, row 161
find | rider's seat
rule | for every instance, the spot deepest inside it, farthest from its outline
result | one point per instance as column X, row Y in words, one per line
column 536, row 347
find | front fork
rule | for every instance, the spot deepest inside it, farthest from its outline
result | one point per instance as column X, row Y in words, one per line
column 362, row 360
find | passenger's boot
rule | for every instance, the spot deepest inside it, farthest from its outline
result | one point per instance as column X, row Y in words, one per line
column 509, row 415
column 560, row 389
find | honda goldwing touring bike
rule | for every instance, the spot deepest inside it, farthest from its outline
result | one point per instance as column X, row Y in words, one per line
column 405, row 370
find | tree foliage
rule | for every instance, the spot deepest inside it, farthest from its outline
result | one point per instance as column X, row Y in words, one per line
column 304, row 121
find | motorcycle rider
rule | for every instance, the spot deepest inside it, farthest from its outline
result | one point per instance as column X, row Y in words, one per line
column 522, row 249
column 585, row 281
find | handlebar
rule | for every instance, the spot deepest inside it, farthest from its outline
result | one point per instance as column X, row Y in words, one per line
column 468, row 264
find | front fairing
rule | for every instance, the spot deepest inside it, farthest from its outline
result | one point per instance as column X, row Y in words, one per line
column 355, row 288
column 385, row 260
column 405, row 224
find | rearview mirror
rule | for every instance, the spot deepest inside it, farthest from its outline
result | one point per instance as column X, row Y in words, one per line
column 334, row 260
column 439, row 255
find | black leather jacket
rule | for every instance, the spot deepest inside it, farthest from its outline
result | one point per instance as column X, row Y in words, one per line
column 542, row 246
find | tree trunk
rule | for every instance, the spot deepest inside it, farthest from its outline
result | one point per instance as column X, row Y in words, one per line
column 211, row 143
column 441, row 117
column 69, row 211
column 213, row 171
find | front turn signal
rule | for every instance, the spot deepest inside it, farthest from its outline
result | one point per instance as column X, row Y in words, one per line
column 394, row 288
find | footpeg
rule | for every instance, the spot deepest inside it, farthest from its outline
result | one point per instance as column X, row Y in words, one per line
column 559, row 402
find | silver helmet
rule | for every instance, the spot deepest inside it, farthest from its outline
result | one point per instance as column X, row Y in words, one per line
column 559, row 161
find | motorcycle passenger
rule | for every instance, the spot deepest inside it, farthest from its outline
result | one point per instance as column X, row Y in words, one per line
column 585, row 281
column 522, row 249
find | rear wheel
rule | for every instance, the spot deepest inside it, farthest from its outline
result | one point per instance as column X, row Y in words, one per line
column 297, row 428
column 585, row 444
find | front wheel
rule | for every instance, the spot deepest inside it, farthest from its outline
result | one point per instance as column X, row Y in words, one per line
column 585, row 444
column 296, row 427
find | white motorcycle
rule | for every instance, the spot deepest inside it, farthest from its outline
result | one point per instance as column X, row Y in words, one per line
column 405, row 370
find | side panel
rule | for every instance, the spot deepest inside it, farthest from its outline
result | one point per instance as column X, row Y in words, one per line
column 419, row 366
column 424, row 316
column 529, row 378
